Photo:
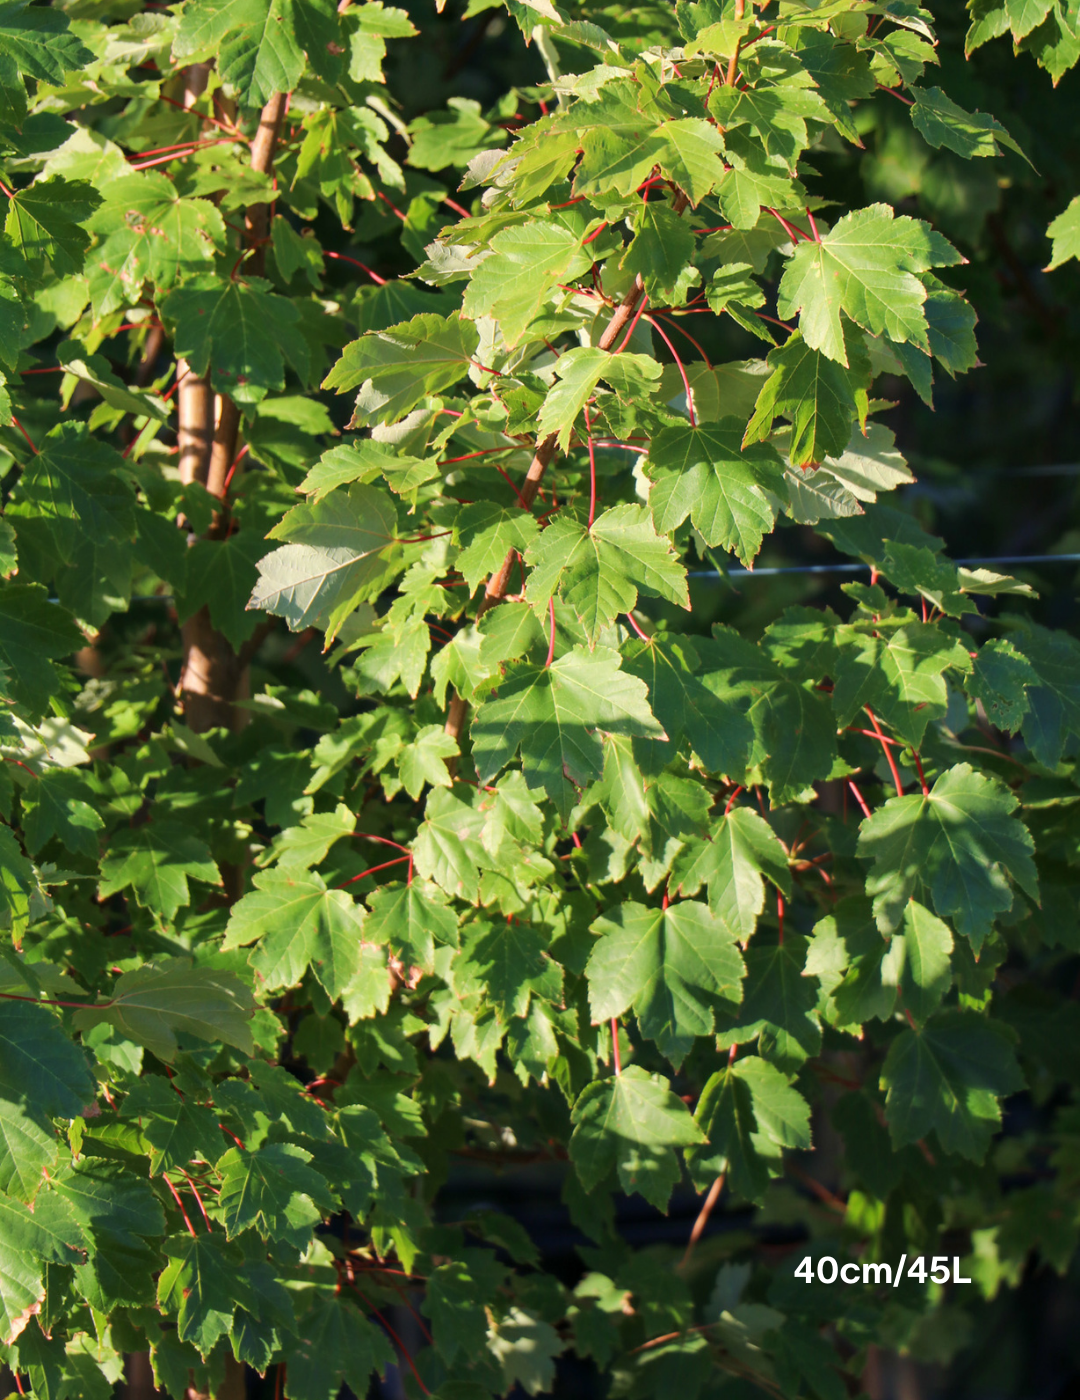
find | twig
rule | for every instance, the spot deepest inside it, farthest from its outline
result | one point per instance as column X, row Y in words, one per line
column 183, row 1212
column 703, row 1218
column 888, row 752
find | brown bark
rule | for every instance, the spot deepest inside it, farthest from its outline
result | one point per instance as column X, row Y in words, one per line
column 194, row 401
column 214, row 677
column 234, row 1385
column 194, row 410
column 139, row 1377
column 257, row 222
column 256, row 234
column 497, row 584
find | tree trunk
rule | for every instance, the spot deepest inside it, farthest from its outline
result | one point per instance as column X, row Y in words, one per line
column 214, row 677
column 139, row 1377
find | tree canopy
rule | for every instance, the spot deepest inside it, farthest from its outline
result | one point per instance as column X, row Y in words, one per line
column 385, row 787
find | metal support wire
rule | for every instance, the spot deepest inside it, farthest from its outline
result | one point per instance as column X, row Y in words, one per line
column 865, row 568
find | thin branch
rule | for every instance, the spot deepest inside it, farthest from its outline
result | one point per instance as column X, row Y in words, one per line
column 888, row 752
column 183, row 1212
column 922, row 775
column 681, row 368
column 859, row 798
column 592, row 468
column 703, row 1218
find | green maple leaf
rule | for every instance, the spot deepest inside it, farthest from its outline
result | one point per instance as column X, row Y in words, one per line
column 508, row 632
column 630, row 1123
column 959, row 845
column 410, row 919
column 486, row 532
column 947, row 1078
column 733, row 289
column 109, row 1201
column 447, row 846
column 553, row 714
column 298, row 923
column 336, row 556
column 794, row 729
column 863, row 974
column 78, row 485
column 940, row 122
column 56, row 806
column 919, row 961
column 778, row 1005
column 177, row 1129
column 374, row 24
column 22, row 1291
column 154, row 861
column 152, row 1003
column 40, row 42
column 293, row 252
column 818, row 396
column 424, row 760
column 742, row 849
column 273, row 1191
column 846, row 956
column 621, row 145
column 121, row 1215
column 753, row 182
column 863, row 267
column 749, row 1113
column 13, row 324
column 777, row 114
column 667, row 964
column 503, row 962
column 399, row 367
column 40, row 1066
column 307, row 844
column 45, row 225
column 950, row 324
column 17, row 882
column 717, row 731
column 260, row 45
column 221, row 575
column 201, row 1286
column 727, row 490
column 898, row 671
column 363, row 461
column 1065, row 233
column 333, row 1345
column 525, row 1346
column 96, row 371
column 1025, row 15
column 28, row 1151
column 1000, row 678
column 526, row 262
column 238, row 330
column 458, row 1294
column 916, row 570
column 621, row 791
column 451, row 137
column 579, row 372
column 147, row 233
column 599, row 570
column 989, row 21
column 47, row 1231
column 661, row 253
column 1054, row 697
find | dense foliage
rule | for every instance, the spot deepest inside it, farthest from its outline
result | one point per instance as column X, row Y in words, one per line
column 534, row 865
